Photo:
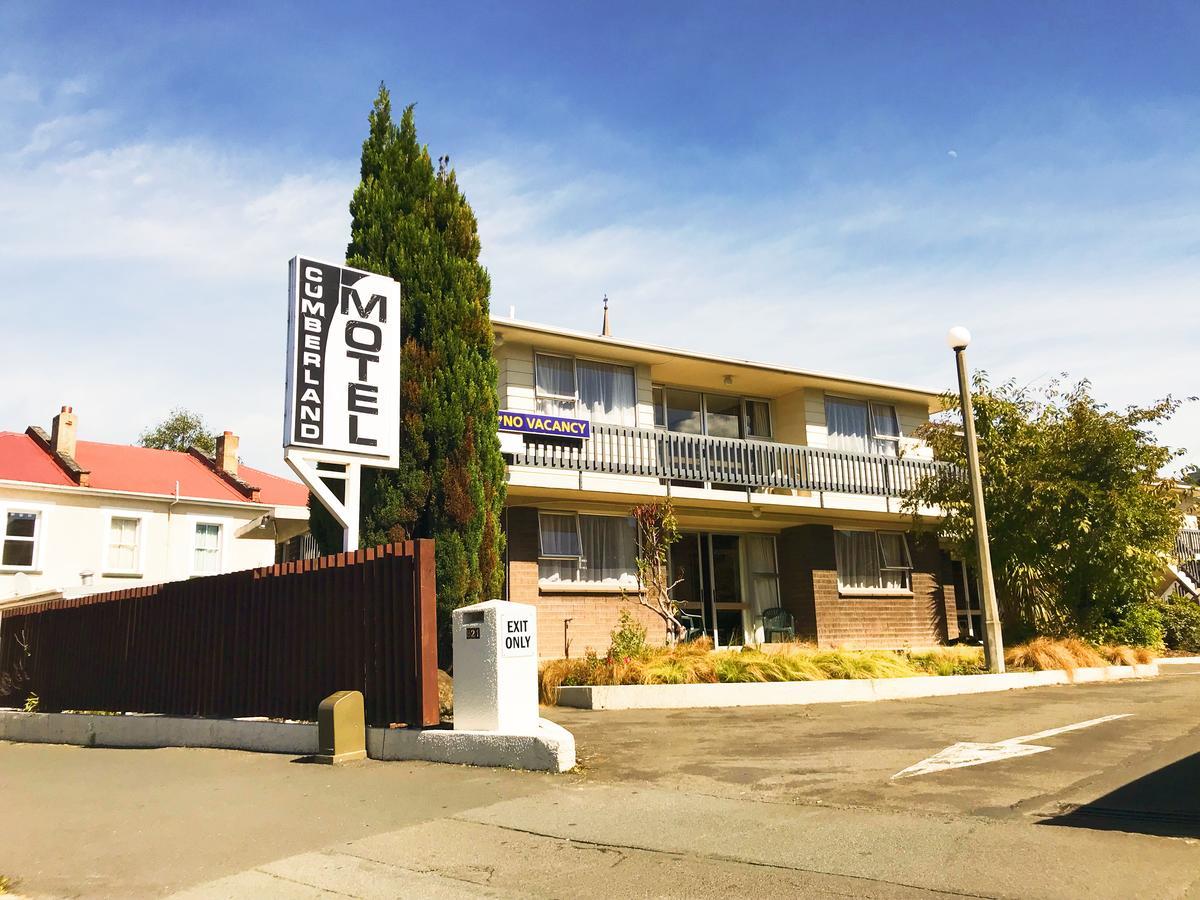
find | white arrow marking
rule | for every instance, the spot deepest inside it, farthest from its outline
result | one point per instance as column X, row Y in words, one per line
column 963, row 754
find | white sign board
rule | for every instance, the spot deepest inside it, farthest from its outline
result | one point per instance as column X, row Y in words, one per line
column 343, row 363
column 516, row 634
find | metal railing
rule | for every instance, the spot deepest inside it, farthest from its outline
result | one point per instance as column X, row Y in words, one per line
column 678, row 457
column 1187, row 544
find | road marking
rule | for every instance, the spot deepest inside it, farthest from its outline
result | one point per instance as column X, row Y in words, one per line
column 968, row 753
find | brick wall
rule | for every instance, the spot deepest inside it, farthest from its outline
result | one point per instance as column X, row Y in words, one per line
column 592, row 616
column 808, row 581
column 800, row 553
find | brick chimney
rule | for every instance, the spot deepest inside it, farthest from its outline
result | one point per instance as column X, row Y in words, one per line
column 227, row 459
column 62, row 433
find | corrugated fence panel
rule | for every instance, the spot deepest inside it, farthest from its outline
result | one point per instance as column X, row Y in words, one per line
column 267, row 642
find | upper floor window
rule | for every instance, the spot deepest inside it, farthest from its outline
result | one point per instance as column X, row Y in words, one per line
column 22, row 536
column 582, row 549
column 583, row 389
column 717, row 415
column 872, row 560
column 206, row 559
column 862, row 426
column 124, row 539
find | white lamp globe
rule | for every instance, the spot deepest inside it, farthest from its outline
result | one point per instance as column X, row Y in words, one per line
column 957, row 338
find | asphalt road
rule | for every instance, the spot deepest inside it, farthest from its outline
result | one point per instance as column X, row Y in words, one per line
column 689, row 803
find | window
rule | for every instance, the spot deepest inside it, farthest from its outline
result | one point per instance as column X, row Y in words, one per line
column 581, row 549
column 862, row 427
column 758, row 419
column 717, row 415
column 22, row 531
column 207, row 555
column 872, row 560
column 763, row 568
column 123, row 544
column 602, row 392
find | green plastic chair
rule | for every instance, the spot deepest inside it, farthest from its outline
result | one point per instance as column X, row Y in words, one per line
column 778, row 621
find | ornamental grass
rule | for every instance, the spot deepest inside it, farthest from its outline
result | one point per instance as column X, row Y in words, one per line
column 697, row 663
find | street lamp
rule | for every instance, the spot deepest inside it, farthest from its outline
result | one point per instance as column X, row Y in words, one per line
column 993, row 643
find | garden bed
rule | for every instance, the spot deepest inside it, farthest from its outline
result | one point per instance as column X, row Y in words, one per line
column 697, row 664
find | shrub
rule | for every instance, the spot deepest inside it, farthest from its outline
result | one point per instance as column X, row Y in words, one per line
column 1139, row 624
column 960, row 660
column 1181, row 624
column 628, row 638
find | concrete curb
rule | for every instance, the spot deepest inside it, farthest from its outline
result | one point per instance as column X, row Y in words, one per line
column 1179, row 661
column 802, row 693
column 550, row 749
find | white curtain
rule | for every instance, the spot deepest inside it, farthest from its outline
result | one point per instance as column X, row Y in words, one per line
column 555, row 375
column 609, row 549
column 857, row 559
column 884, row 425
column 764, row 578
column 894, row 556
column 846, row 422
column 122, row 549
column 607, row 393
column 558, row 534
column 602, row 549
column 208, row 548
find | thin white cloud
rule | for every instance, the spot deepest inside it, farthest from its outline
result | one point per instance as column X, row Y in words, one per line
column 150, row 274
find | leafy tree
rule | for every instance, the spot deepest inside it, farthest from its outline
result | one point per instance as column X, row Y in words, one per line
column 1078, row 515
column 412, row 223
column 179, row 431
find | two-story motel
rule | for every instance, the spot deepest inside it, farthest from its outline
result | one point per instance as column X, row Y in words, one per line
column 786, row 484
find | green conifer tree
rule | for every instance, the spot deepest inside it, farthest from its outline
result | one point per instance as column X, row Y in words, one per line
column 412, row 223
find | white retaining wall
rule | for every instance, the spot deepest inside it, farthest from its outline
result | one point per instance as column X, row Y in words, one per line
column 798, row 693
column 551, row 748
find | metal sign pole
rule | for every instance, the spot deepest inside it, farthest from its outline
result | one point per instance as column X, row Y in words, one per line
column 307, row 466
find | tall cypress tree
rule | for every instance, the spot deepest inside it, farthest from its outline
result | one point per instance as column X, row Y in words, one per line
column 412, row 223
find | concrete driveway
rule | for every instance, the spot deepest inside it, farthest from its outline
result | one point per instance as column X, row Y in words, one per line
column 687, row 803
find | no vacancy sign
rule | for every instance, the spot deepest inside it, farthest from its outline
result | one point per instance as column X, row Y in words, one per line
column 343, row 362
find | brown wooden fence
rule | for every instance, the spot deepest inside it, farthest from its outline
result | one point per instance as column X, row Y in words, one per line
column 264, row 642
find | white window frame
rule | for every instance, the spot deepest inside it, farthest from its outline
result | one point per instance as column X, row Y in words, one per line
column 743, row 399
column 537, row 393
column 577, row 584
column 870, row 404
column 222, row 546
column 107, row 569
column 576, row 400
column 39, row 534
column 905, row 591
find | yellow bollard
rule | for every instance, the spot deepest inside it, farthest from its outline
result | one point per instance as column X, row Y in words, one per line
column 341, row 728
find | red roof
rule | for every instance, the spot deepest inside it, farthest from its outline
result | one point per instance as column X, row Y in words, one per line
column 141, row 470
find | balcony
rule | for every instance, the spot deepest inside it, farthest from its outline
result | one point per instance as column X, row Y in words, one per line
column 753, row 465
column 1187, row 545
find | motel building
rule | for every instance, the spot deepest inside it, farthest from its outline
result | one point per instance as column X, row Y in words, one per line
column 82, row 517
column 786, row 484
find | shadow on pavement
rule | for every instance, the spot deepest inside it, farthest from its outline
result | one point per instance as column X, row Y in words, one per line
column 1164, row 803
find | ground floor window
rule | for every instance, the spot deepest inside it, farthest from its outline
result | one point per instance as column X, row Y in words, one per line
column 873, row 560
column 584, row 549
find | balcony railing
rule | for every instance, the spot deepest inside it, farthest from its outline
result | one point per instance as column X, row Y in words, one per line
column 677, row 457
column 1187, row 544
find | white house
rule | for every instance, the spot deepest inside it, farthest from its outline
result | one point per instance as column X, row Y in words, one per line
column 81, row 517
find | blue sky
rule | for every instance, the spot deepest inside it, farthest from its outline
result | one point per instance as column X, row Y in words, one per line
column 822, row 185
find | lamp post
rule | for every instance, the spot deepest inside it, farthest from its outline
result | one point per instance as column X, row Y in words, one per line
column 993, row 643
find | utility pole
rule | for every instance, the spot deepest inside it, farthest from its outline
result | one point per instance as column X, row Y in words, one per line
column 993, row 641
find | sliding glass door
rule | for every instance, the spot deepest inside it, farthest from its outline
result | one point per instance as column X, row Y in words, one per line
column 708, row 569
